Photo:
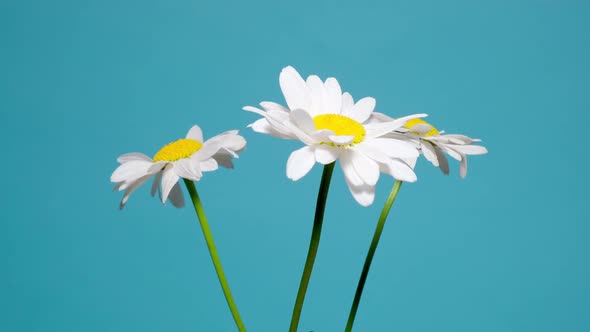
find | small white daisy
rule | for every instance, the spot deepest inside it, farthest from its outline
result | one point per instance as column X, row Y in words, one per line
column 434, row 144
column 186, row 158
column 334, row 127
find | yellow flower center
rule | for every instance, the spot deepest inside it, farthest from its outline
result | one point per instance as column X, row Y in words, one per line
column 341, row 126
column 433, row 131
column 183, row 148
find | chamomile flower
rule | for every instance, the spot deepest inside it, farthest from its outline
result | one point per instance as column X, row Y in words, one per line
column 333, row 127
column 434, row 144
column 185, row 158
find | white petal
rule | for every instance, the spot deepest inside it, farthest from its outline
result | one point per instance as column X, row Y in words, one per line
column 187, row 169
column 131, row 170
column 429, row 153
column 195, row 133
column 209, row 165
column 302, row 120
column 169, row 179
column 362, row 109
column 350, row 173
column 364, row 194
column 333, row 100
column 176, row 197
column 395, row 148
column 325, row 154
column 132, row 188
column 294, row 89
column 379, row 129
column 300, row 163
column 269, row 105
column 133, row 156
column 275, row 119
column 157, row 166
column 463, row 167
column 470, row 149
column 366, row 168
column 156, row 183
column 317, row 91
column 399, row 170
column 341, row 140
column 262, row 126
column 224, row 158
column 209, row 148
column 347, row 103
column 443, row 162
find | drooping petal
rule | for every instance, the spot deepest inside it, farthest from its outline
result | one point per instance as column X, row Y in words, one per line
column 156, row 183
column 195, row 133
column 325, row 154
column 131, row 188
column 463, row 167
column 350, row 173
column 262, row 126
column 187, row 169
column 399, row 170
column 443, row 162
column 300, row 163
column 224, row 158
column 363, row 194
column 367, row 169
column 176, row 197
column 269, row 105
column 169, row 179
column 294, row 89
column 429, row 153
column 209, row 165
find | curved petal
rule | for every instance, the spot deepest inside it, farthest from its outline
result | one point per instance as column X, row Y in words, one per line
column 131, row 171
column 176, row 197
column 132, row 188
column 169, row 179
column 363, row 109
column 325, row 154
column 303, row 120
column 463, row 167
column 341, row 140
column 156, row 183
column 429, row 152
column 367, row 169
column 350, row 173
column 187, row 169
column 394, row 148
column 317, row 91
column 363, row 194
column 300, row 163
column 294, row 89
column 470, row 149
column 382, row 128
column 443, row 162
column 347, row 103
column 133, row 156
column 195, row 133
column 209, row 165
column 399, row 170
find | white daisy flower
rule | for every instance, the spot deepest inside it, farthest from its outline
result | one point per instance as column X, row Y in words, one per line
column 434, row 144
column 333, row 127
column 186, row 158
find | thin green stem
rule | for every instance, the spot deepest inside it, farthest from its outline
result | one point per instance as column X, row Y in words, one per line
column 213, row 252
column 313, row 244
column 371, row 253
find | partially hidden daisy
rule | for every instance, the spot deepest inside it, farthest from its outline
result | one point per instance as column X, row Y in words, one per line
column 333, row 127
column 185, row 158
column 434, row 144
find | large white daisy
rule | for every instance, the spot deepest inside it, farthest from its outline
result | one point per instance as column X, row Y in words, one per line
column 434, row 144
column 333, row 127
column 185, row 158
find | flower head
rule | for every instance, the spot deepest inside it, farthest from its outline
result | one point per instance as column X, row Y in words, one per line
column 185, row 158
column 434, row 144
column 333, row 127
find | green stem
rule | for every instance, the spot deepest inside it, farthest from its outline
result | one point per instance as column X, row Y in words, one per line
column 371, row 253
column 313, row 244
column 213, row 252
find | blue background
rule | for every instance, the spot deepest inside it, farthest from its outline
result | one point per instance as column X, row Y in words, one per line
column 82, row 82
